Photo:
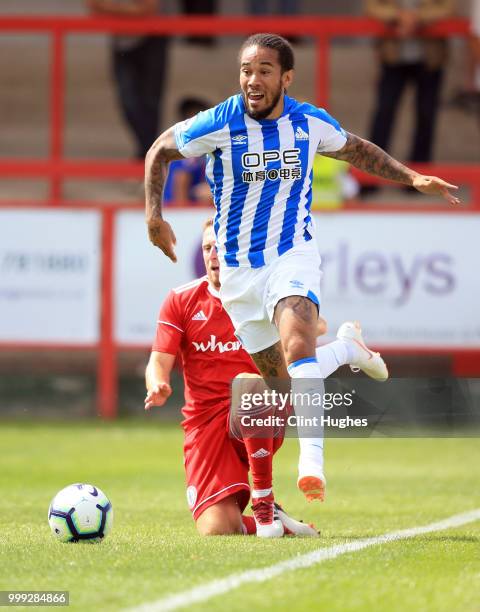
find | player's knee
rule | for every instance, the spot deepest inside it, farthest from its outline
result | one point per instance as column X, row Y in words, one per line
column 217, row 528
column 223, row 518
column 244, row 386
column 249, row 383
column 214, row 530
column 321, row 326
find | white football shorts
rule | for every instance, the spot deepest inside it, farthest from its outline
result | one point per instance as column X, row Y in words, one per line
column 250, row 295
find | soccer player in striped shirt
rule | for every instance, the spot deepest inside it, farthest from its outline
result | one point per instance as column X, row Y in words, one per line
column 260, row 145
column 220, row 451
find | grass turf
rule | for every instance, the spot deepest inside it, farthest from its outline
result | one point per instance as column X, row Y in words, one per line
column 375, row 486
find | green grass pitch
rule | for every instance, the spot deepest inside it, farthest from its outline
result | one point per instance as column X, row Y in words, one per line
column 374, row 486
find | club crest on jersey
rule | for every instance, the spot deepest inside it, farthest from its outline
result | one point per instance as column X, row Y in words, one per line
column 301, row 134
column 256, row 169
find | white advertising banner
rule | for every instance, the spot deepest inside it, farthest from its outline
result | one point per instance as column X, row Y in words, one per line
column 409, row 278
column 49, row 276
column 144, row 276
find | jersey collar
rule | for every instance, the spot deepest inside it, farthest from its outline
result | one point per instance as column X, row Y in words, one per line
column 212, row 290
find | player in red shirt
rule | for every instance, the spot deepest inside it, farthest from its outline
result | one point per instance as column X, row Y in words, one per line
column 218, row 453
column 193, row 323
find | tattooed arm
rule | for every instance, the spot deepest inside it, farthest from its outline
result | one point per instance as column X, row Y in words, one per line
column 162, row 152
column 366, row 156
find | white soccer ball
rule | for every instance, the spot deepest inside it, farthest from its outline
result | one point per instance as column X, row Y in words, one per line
column 80, row 513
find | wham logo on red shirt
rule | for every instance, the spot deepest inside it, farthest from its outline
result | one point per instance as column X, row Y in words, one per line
column 215, row 345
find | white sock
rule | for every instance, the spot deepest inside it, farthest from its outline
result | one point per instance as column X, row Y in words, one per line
column 310, row 462
column 333, row 355
column 260, row 493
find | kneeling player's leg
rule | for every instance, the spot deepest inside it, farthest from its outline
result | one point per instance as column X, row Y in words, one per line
column 225, row 518
column 216, row 471
column 222, row 518
column 254, row 425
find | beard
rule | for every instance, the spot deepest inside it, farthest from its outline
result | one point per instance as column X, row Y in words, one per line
column 263, row 114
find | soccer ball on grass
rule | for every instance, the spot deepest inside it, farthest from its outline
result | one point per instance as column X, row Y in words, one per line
column 80, row 513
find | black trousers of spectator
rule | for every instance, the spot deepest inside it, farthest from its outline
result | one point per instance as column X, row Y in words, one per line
column 139, row 75
column 200, row 7
column 393, row 80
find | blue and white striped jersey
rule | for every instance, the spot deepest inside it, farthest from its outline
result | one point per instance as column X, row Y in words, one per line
column 260, row 173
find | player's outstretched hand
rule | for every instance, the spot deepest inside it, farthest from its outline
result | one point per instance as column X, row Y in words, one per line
column 432, row 185
column 158, row 395
column 161, row 235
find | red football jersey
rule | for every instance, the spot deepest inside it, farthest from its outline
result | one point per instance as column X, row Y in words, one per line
column 193, row 322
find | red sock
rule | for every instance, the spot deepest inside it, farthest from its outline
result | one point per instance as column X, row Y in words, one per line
column 249, row 524
column 258, row 440
column 260, row 452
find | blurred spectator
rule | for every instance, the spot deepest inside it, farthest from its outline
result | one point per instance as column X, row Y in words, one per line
column 332, row 183
column 139, row 68
column 186, row 177
column 469, row 98
column 282, row 7
column 474, row 46
column 200, row 7
column 406, row 59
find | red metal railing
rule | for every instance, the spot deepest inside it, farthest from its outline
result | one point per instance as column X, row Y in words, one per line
column 56, row 168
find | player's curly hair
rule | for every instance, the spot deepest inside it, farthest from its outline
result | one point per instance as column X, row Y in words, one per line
column 272, row 41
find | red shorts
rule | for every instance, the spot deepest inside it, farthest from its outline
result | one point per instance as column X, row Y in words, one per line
column 216, row 466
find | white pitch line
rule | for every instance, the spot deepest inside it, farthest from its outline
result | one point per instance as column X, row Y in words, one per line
column 261, row 574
